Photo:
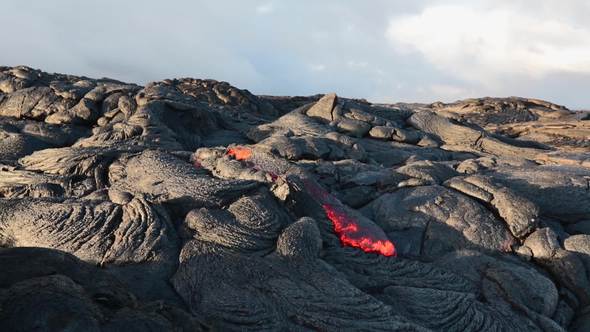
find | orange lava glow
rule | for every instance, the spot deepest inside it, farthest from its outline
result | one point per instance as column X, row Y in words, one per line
column 361, row 233
column 240, row 153
column 365, row 235
column 351, row 234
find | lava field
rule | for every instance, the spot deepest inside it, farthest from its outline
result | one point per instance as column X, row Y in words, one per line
column 193, row 205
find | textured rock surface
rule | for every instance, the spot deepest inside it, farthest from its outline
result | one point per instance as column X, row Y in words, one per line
column 191, row 205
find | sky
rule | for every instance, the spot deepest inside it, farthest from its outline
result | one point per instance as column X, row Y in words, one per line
column 380, row 50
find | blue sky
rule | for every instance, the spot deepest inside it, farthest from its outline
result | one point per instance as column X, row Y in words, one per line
column 381, row 50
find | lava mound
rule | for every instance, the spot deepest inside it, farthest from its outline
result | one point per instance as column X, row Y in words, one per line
column 192, row 205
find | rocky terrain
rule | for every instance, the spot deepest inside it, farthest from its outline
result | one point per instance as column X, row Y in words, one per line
column 192, row 205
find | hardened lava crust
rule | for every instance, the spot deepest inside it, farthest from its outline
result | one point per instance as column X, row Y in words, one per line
column 192, row 205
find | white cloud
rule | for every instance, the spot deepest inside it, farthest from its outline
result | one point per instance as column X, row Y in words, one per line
column 357, row 64
column 447, row 92
column 318, row 67
column 485, row 43
column 284, row 48
column 266, row 8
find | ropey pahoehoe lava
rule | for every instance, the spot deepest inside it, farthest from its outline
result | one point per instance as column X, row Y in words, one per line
column 193, row 205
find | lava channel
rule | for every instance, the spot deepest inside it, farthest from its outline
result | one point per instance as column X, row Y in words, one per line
column 352, row 232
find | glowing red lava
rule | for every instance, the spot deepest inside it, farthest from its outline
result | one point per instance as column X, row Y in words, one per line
column 366, row 236
column 352, row 235
column 362, row 234
column 240, row 153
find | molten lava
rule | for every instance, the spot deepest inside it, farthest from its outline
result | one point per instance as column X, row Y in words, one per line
column 240, row 153
column 363, row 234
column 352, row 235
column 352, row 232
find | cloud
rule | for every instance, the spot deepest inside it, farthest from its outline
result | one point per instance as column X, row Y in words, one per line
column 318, row 67
column 483, row 44
column 532, row 48
column 448, row 91
column 266, row 8
column 357, row 64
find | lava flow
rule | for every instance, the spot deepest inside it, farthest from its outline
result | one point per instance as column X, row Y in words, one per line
column 352, row 232
column 352, row 235
column 240, row 153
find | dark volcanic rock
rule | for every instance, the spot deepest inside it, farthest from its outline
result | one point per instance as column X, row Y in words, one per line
column 190, row 205
column 54, row 291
